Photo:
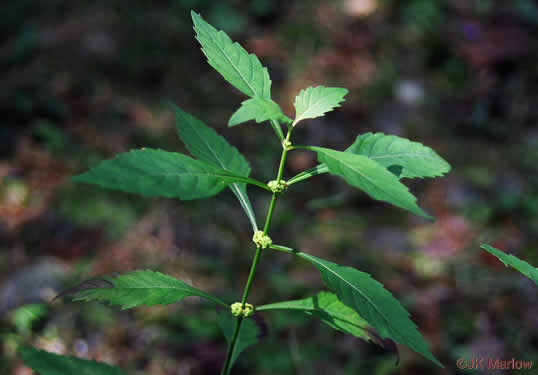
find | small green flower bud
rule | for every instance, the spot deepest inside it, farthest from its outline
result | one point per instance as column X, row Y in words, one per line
column 261, row 240
column 248, row 310
column 236, row 308
column 286, row 144
column 277, row 187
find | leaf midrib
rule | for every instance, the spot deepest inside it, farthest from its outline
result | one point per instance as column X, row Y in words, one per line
column 380, row 187
column 193, row 292
column 207, row 174
column 309, row 107
column 413, row 154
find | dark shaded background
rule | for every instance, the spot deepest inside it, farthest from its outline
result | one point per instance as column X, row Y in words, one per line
column 82, row 81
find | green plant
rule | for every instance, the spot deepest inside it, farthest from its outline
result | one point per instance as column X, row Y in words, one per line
column 510, row 260
column 374, row 163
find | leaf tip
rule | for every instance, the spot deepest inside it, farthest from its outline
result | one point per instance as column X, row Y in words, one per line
column 195, row 16
column 486, row 246
column 95, row 283
column 426, row 215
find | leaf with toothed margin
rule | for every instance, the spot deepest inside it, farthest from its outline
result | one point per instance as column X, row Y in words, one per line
column 402, row 157
column 205, row 144
column 372, row 178
column 139, row 288
column 259, row 109
column 373, row 303
column 237, row 66
column 415, row 159
column 152, row 172
column 316, row 101
column 376, row 305
column 329, row 309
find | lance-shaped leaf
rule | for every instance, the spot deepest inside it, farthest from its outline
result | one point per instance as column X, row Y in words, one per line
column 415, row 159
column 316, row 101
column 152, row 172
column 369, row 176
column 237, row 66
column 260, row 110
column 514, row 262
column 330, row 310
column 205, row 144
column 371, row 301
column 45, row 363
column 140, row 288
column 249, row 333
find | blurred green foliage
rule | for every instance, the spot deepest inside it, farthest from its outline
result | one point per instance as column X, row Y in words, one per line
column 25, row 317
column 91, row 207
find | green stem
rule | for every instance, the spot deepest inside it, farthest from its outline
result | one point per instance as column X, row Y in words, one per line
column 251, row 275
column 269, row 214
column 269, row 218
column 226, row 367
column 283, row 157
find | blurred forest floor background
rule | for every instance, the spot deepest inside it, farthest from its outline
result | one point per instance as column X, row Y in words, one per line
column 84, row 80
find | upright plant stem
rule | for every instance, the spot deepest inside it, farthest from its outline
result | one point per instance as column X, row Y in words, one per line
column 226, row 367
column 269, row 214
column 231, row 347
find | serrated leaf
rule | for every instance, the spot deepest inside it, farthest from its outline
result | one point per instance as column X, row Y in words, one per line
column 402, row 157
column 249, row 333
column 237, row 66
column 45, row 363
column 369, row 176
column 205, row 144
column 371, row 301
column 152, row 172
column 139, row 288
column 415, row 159
column 330, row 310
column 316, row 101
column 260, row 110
column 514, row 262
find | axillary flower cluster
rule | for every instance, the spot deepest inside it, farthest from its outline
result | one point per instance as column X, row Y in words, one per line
column 277, row 187
column 237, row 309
column 262, row 240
